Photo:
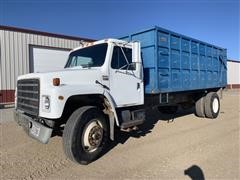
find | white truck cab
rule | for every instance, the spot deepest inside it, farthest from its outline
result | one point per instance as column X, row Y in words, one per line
column 83, row 99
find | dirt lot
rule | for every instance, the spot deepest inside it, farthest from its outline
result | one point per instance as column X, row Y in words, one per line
column 188, row 146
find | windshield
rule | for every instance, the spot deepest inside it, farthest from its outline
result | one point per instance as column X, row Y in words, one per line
column 93, row 56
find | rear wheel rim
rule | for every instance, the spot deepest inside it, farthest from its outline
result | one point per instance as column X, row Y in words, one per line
column 215, row 105
column 92, row 136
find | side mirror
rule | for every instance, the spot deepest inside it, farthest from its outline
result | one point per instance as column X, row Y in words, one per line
column 136, row 58
column 136, row 52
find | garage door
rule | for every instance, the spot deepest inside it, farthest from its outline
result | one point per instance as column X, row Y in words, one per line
column 47, row 59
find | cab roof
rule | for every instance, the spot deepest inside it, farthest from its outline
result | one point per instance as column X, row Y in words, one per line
column 110, row 40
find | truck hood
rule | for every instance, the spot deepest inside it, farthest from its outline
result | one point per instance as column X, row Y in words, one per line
column 67, row 76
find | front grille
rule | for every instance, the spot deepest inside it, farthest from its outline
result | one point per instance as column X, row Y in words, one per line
column 28, row 96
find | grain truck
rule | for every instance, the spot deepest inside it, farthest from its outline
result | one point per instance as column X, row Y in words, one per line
column 109, row 84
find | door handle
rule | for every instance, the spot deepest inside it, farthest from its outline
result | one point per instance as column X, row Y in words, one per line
column 138, row 86
column 105, row 77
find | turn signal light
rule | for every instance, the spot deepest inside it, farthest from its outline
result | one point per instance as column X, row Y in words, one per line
column 56, row 81
column 60, row 97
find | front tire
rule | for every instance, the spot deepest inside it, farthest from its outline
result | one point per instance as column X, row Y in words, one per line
column 85, row 135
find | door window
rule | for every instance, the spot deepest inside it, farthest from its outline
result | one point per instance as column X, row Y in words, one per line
column 122, row 58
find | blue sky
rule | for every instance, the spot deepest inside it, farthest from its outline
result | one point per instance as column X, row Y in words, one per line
column 213, row 21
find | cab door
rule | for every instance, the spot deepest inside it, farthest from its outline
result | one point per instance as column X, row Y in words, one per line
column 126, row 87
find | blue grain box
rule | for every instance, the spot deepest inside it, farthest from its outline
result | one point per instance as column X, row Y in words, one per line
column 174, row 62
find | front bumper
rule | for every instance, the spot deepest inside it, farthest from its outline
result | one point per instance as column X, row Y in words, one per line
column 34, row 129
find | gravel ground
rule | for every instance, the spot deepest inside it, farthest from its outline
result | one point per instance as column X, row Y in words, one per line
column 185, row 148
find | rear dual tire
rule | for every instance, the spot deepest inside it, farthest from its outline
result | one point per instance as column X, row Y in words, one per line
column 208, row 106
column 199, row 107
column 212, row 105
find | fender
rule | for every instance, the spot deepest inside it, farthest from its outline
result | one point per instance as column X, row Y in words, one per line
column 113, row 105
column 66, row 91
column 71, row 90
column 113, row 115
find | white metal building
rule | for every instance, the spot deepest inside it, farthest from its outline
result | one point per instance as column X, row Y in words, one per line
column 233, row 74
column 23, row 51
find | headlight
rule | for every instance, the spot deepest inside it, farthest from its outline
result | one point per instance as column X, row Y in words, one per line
column 46, row 102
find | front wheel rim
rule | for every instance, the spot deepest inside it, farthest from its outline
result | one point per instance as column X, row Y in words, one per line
column 92, row 136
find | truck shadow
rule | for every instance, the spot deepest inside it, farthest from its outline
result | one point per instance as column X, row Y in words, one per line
column 152, row 117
